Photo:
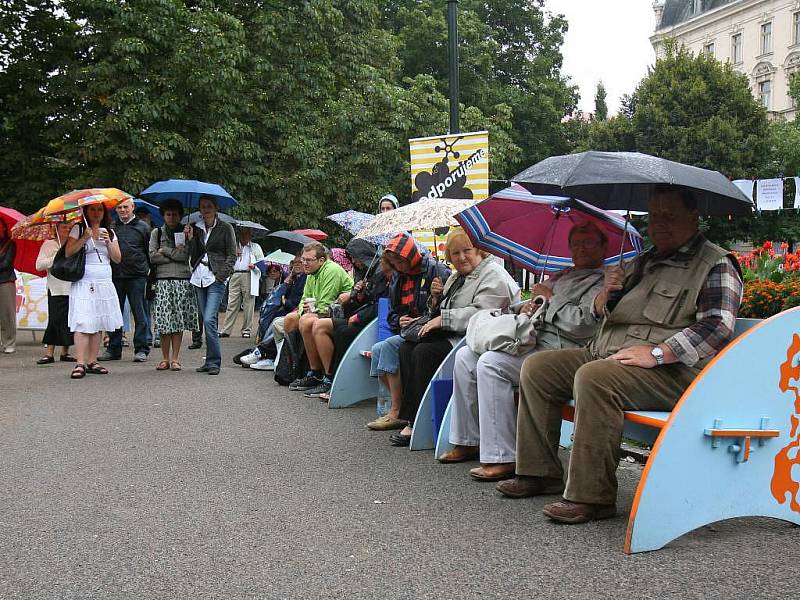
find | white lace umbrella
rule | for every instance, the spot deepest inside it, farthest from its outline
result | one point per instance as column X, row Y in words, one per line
column 425, row 214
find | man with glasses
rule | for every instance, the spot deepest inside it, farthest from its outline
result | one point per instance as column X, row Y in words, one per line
column 325, row 280
column 662, row 319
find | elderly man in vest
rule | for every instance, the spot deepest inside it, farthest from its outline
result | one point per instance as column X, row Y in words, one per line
column 663, row 318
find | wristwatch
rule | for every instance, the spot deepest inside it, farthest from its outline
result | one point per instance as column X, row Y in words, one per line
column 658, row 354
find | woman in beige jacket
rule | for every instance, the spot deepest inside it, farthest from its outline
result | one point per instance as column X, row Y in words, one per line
column 477, row 283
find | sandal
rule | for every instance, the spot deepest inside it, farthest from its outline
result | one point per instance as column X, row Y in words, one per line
column 67, row 358
column 78, row 372
column 162, row 366
column 96, row 369
column 46, row 360
column 176, row 366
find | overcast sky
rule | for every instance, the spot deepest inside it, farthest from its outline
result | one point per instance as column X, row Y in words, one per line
column 608, row 41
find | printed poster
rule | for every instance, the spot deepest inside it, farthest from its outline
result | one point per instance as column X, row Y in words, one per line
column 31, row 301
column 448, row 166
column 769, row 194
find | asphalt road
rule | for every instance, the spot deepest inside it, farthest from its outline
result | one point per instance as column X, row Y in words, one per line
column 145, row 484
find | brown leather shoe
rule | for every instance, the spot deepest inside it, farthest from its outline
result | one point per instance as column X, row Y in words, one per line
column 523, row 486
column 460, row 454
column 566, row 511
column 493, row 472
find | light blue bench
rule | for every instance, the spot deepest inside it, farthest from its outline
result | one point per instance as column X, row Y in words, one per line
column 715, row 455
column 352, row 383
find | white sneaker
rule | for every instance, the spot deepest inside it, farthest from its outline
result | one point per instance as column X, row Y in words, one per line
column 264, row 365
column 251, row 359
column 10, row 350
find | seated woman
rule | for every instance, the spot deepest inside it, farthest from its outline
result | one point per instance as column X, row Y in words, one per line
column 333, row 335
column 409, row 292
column 484, row 412
column 476, row 284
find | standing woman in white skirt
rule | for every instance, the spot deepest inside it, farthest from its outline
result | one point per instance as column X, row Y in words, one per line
column 93, row 303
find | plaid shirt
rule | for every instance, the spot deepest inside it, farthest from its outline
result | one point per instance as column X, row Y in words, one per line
column 717, row 306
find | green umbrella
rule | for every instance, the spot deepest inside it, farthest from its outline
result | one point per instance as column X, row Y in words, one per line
column 280, row 257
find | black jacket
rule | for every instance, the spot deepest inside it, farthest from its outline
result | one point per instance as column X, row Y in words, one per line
column 221, row 249
column 134, row 243
column 422, row 290
column 8, row 251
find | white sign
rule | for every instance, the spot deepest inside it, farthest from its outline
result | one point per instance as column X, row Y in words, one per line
column 746, row 185
column 769, row 194
column 796, row 192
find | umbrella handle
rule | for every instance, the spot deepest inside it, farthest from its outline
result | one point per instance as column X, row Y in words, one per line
column 624, row 233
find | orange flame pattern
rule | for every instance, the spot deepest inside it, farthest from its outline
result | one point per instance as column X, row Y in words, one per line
column 789, row 457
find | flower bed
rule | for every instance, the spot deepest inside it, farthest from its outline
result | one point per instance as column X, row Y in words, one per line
column 771, row 281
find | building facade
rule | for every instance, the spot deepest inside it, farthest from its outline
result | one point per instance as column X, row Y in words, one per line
column 760, row 38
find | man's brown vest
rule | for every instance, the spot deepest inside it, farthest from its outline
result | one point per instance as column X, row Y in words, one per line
column 660, row 298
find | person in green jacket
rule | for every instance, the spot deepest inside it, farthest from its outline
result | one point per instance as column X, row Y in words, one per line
column 325, row 280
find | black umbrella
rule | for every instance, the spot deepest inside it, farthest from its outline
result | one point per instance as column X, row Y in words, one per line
column 287, row 240
column 625, row 181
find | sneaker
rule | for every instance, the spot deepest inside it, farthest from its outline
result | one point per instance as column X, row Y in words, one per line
column 139, row 357
column 224, row 335
column 108, row 356
column 304, row 383
column 264, row 365
column 251, row 359
column 9, row 350
column 322, row 388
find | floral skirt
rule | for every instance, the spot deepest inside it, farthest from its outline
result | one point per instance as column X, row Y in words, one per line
column 175, row 306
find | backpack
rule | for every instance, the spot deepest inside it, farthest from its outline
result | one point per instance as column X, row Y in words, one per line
column 292, row 363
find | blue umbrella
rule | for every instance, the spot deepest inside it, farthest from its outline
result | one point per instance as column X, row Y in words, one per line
column 352, row 220
column 188, row 192
column 155, row 214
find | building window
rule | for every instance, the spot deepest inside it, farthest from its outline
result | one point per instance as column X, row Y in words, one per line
column 766, row 38
column 764, row 92
column 796, row 28
column 708, row 49
column 736, row 48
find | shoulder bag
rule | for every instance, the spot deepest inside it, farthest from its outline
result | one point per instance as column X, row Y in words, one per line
column 69, row 268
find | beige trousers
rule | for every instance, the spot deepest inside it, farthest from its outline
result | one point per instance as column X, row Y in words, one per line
column 239, row 295
column 602, row 390
column 8, row 314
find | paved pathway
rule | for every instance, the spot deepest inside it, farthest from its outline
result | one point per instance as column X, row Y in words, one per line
column 144, row 484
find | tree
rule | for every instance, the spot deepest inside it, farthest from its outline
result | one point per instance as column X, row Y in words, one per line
column 600, row 106
column 509, row 55
column 298, row 108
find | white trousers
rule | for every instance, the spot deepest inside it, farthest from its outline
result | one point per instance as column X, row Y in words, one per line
column 239, row 295
column 484, row 412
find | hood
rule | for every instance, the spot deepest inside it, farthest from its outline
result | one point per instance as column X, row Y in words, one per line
column 391, row 198
column 404, row 245
column 362, row 250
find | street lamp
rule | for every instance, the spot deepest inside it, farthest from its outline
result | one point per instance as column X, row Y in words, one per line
column 452, row 37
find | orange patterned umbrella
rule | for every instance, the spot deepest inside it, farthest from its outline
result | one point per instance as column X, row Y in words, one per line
column 109, row 197
column 38, row 227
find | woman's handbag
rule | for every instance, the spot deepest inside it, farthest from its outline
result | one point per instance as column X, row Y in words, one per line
column 492, row 330
column 69, row 268
column 410, row 333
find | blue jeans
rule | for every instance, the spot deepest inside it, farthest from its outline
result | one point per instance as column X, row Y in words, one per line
column 208, row 301
column 385, row 356
column 132, row 289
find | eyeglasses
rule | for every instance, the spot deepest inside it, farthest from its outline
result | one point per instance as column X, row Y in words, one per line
column 306, row 261
column 587, row 244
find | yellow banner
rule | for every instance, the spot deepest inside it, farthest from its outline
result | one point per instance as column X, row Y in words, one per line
column 450, row 166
